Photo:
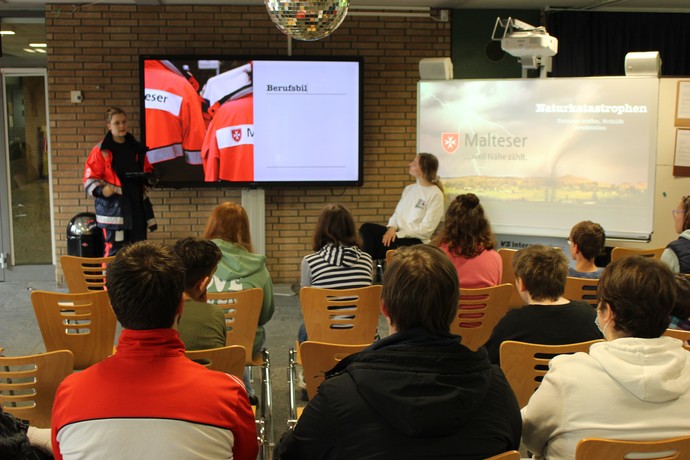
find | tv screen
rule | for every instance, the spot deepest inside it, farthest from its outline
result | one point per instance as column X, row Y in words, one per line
column 249, row 121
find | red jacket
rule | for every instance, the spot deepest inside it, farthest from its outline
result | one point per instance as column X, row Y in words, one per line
column 174, row 120
column 149, row 400
column 228, row 150
column 98, row 172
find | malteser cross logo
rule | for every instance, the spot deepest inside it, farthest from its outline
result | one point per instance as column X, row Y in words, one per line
column 450, row 142
column 237, row 135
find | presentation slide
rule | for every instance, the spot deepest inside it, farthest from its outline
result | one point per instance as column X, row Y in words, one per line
column 311, row 110
column 544, row 154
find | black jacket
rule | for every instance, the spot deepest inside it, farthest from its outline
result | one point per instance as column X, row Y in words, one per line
column 412, row 395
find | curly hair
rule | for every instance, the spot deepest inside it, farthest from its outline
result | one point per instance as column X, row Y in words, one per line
column 466, row 230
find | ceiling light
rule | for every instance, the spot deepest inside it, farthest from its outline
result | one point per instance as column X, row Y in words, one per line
column 29, row 50
column 38, row 45
column 6, row 32
column 307, row 20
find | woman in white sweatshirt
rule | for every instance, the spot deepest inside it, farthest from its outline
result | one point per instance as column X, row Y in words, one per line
column 633, row 386
column 416, row 216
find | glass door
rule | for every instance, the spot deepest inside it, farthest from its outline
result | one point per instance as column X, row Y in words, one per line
column 27, row 164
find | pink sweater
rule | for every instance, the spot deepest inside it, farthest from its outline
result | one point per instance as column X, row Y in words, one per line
column 483, row 270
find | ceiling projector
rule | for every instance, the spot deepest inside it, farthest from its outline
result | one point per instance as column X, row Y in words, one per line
column 528, row 44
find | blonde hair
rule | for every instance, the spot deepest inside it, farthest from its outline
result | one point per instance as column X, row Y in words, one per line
column 112, row 111
column 428, row 163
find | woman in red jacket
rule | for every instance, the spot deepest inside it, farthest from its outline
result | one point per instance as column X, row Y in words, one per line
column 115, row 174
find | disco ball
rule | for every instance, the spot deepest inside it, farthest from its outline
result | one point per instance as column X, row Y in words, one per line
column 307, row 20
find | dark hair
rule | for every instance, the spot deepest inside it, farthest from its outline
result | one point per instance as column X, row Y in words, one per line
column 589, row 237
column 199, row 257
column 466, row 230
column 686, row 212
column 145, row 283
column 335, row 225
column 113, row 111
column 229, row 222
column 641, row 292
column 421, row 289
column 14, row 443
column 681, row 309
column 543, row 270
column 428, row 163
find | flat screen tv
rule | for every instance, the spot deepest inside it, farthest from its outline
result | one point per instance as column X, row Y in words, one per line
column 252, row 121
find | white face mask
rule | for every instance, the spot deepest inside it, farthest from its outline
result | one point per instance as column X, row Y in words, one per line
column 596, row 323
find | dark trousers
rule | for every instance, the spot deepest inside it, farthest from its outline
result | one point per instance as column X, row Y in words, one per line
column 372, row 239
column 113, row 244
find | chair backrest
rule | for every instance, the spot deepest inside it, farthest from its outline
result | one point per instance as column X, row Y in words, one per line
column 242, row 310
column 389, row 256
column 525, row 364
column 84, row 274
column 479, row 310
column 611, row 449
column 510, row 455
column 320, row 357
column 348, row 316
column 28, row 384
column 83, row 323
column 230, row 359
column 619, row 253
column 508, row 275
column 679, row 334
column 582, row 289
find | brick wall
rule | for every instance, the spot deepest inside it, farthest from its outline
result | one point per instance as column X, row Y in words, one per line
column 95, row 49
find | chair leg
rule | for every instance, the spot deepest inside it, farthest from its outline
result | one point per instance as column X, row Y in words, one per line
column 267, row 397
column 292, row 376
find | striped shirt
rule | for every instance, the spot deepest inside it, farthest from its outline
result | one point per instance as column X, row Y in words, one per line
column 337, row 267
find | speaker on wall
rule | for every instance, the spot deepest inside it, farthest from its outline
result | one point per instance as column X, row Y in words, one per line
column 436, row 69
column 646, row 63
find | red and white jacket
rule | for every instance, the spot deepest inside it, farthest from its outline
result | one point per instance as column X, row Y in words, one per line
column 228, row 150
column 174, row 119
column 150, row 401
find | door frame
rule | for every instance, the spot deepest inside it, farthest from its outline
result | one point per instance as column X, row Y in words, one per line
column 22, row 272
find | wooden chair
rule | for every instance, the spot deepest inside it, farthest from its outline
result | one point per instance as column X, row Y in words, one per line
column 317, row 359
column 611, row 449
column 84, row 274
column 28, row 384
column 510, row 455
column 389, row 256
column 525, row 364
column 619, row 253
column 347, row 316
column 509, row 275
column 83, row 323
column 681, row 335
column 479, row 311
column 230, row 359
column 582, row 289
column 242, row 310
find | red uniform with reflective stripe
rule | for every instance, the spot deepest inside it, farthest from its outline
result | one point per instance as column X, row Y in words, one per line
column 228, row 150
column 174, row 121
column 150, row 401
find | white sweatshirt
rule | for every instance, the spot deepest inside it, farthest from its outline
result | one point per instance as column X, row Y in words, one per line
column 418, row 212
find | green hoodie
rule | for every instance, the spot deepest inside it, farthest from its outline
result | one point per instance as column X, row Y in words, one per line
column 239, row 269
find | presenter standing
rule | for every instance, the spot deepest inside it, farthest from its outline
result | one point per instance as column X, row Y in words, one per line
column 416, row 216
column 115, row 175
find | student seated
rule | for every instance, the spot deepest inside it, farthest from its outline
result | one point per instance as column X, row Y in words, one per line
column 634, row 386
column 418, row 393
column 677, row 253
column 586, row 242
column 202, row 325
column 468, row 242
column 338, row 263
column 548, row 318
column 149, row 400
